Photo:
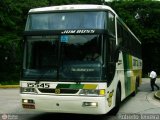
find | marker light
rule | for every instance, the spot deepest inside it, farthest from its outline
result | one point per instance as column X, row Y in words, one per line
column 102, row 92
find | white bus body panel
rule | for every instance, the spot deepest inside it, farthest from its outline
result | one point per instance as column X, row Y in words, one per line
column 67, row 104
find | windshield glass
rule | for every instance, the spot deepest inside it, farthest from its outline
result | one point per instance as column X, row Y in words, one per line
column 40, row 57
column 81, row 48
column 66, row 20
column 67, row 57
column 41, row 52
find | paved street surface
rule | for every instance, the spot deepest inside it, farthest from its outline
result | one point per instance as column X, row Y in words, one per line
column 143, row 103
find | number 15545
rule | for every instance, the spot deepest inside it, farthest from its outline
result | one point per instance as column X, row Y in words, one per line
column 38, row 85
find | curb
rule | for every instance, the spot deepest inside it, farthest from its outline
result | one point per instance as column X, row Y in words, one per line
column 9, row 86
column 157, row 95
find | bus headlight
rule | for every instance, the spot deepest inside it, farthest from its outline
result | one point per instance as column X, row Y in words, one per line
column 24, row 101
column 27, row 90
column 90, row 104
column 91, row 92
column 28, row 103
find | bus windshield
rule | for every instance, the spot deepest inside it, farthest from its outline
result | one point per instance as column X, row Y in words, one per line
column 67, row 57
column 66, row 20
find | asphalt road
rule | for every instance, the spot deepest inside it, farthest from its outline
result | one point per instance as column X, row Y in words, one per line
column 143, row 103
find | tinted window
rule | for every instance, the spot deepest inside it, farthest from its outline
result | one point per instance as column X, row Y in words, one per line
column 41, row 54
column 82, row 48
column 68, row 20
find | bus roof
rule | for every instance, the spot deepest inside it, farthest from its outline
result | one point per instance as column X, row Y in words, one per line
column 73, row 7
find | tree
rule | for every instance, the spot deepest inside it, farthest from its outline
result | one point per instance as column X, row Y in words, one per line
column 13, row 17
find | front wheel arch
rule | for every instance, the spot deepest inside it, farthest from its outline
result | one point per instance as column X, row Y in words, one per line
column 115, row 110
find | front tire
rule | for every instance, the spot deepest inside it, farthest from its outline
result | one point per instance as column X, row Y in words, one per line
column 115, row 110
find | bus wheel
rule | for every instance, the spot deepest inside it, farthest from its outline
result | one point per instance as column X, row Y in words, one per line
column 136, row 88
column 115, row 110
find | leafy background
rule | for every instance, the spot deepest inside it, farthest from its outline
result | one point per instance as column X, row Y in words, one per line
column 142, row 17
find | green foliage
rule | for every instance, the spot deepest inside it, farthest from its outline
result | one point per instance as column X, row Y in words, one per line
column 9, row 56
column 148, row 21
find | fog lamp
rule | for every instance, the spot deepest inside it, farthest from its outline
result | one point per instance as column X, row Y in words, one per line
column 90, row 104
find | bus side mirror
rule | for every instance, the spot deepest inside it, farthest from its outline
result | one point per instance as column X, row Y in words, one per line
column 116, row 53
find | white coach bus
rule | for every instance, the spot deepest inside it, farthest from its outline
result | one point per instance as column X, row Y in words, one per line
column 78, row 59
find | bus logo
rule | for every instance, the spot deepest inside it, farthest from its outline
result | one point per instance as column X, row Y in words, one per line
column 57, row 91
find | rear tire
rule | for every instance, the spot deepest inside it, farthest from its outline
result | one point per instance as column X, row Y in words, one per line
column 136, row 88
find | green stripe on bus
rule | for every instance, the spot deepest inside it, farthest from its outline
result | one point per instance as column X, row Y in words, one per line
column 77, row 86
column 130, row 61
column 63, row 86
column 127, row 66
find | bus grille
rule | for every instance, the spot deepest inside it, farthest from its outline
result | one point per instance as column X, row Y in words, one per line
column 61, row 91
